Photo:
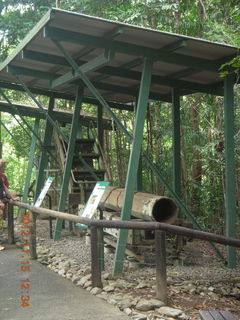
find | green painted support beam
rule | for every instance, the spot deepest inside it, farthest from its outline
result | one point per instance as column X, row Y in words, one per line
column 61, row 116
column 45, row 19
column 44, row 152
column 74, row 76
column 12, row 106
column 31, row 72
column 92, row 65
column 100, row 125
column 130, row 91
column 124, row 72
column 1, row 144
column 13, row 113
column 139, row 182
column 30, row 94
column 134, row 158
column 90, row 86
column 65, row 96
column 114, row 33
column 44, row 57
column 230, row 172
column 183, row 73
column 130, row 49
column 88, row 167
column 30, row 162
column 176, row 142
column 167, row 81
column 15, row 139
column 69, row 159
column 175, row 46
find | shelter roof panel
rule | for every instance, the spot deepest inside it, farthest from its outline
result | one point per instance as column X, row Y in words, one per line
column 203, row 78
column 71, row 21
column 205, row 50
column 194, row 61
column 164, row 68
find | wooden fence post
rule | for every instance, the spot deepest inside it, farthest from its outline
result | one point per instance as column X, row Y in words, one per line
column 161, row 274
column 101, row 242
column 10, row 223
column 95, row 258
column 32, row 238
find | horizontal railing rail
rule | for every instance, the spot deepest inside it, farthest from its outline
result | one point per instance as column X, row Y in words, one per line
column 133, row 225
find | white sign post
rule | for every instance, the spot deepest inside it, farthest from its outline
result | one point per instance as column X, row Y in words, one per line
column 44, row 192
column 93, row 201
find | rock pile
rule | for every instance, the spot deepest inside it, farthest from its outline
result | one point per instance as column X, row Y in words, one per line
column 116, row 290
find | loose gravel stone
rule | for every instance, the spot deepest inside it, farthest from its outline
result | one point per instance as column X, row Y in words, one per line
column 96, row 290
column 151, row 304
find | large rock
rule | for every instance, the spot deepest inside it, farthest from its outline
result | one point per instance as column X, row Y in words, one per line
column 62, row 272
column 108, row 289
column 125, row 303
column 83, row 280
column 151, row 304
column 87, row 284
column 128, row 311
column 122, row 284
column 172, row 312
column 96, row 290
column 139, row 316
column 76, row 278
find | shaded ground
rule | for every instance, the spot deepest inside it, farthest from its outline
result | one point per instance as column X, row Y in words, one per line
column 46, row 296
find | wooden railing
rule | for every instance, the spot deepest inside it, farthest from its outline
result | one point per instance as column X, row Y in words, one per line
column 96, row 227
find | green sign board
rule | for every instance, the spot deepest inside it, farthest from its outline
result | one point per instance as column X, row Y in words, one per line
column 93, row 201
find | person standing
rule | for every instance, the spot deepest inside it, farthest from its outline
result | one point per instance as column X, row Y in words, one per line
column 5, row 194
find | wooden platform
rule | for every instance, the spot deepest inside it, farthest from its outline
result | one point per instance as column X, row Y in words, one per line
column 216, row 315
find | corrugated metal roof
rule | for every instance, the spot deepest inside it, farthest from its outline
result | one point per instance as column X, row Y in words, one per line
column 189, row 64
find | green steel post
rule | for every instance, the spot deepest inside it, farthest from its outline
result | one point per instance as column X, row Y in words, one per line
column 100, row 124
column 134, row 158
column 139, row 184
column 176, row 142
column 100, row 136
column 79, row 132
column 30, row 161
column 0, row 136
column 31, row 95
column 44, row 155
column 139, row 171
column 230, row 198
column 69, row 158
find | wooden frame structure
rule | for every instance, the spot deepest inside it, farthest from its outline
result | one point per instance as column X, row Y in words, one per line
column 113, row 65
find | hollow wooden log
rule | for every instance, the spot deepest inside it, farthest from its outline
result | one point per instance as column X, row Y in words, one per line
column 146, row 206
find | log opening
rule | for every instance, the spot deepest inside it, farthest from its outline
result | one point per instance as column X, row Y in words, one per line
column 146, row 206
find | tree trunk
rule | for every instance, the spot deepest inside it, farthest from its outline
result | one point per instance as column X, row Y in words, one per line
column 197, row 161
